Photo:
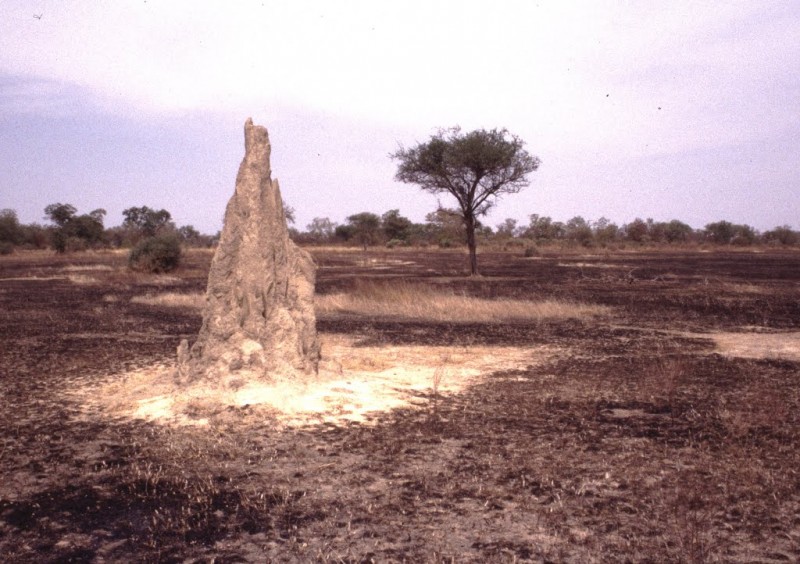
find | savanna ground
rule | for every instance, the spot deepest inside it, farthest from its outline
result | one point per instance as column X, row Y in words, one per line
column 635, row 407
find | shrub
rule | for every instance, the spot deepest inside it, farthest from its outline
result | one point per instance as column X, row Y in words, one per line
column 531, row 251
column 161, row 253
column 76, row 244
column 6, row 248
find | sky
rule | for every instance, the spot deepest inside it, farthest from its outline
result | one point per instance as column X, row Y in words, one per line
column 666, row 110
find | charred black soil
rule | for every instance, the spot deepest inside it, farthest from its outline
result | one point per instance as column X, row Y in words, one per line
column 642, row 442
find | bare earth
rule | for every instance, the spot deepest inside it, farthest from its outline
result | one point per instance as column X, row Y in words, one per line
column 665, row 429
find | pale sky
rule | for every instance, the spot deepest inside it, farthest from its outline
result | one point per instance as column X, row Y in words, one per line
column 670, row 110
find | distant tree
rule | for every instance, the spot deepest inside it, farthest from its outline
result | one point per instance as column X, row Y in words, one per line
column 36, row 236
column 720, row 232
column 72, row 231
column 11, row 232
column 578, row 230
column 288, row 213
column 395, row 227
column 344, row 233
column 321, row 230
column 677, row 232
column 637, row 231
column 60, row 214
column 475, row 168
column 88, row 227
column 366, row 228
column 188, row 232
column 147, row 222
column 604, row 231
column 544, row 228
column 744, row 235
column 445, row 227
column 191, row 237
column 782, row 235
column 507, row 229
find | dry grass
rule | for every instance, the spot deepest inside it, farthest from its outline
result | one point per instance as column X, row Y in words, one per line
column 194, row 300
column 88, row 267
column 82, row 279
column 402, row 300
column 759, row 345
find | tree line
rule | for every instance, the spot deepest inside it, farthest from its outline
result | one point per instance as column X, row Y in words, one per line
column 474, row 168
column 69, row 231
column 444, row 228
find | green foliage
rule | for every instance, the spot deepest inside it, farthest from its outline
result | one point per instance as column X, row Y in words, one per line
column 11, row 231
column 579, row 231
column 60, row 214
column 544, row 228
column 507, row 229
column 720, row 232
column 344, row 233
column 637, row 231
column 604, row 231
column 158, row 254
column 395, row 227
column 74, row 232
column 727, row 233
column 445, row 226
column 677, row 232
column 475, row 168
column 365, row 228
column 782, row 235
column 146, row 221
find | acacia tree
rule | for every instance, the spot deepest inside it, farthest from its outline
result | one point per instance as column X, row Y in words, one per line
column 475, row 168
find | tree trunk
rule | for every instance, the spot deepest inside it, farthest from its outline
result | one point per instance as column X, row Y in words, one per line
column 469, row 222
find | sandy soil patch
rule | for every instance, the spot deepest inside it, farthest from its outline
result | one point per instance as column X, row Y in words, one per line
column 587, row 265
column 759, row 345
column 355, row 384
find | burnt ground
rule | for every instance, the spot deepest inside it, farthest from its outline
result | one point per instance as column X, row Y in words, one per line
column 643, row 444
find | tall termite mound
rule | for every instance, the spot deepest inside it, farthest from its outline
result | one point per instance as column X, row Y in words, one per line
column 258, row 321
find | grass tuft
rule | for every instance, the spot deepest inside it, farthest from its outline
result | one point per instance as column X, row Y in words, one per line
column 397, row 299
column 172, row 299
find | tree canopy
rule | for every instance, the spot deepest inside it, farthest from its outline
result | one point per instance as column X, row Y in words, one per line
column 146, row 220
column 365, row 228
column 73, row 231
column 475, row 168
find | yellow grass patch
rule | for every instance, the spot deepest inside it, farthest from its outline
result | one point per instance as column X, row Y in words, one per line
column 397, row 299
column 402, row 300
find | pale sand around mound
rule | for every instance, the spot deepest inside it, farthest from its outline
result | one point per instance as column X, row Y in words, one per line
column 354, row 383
